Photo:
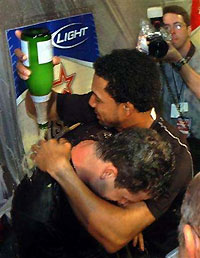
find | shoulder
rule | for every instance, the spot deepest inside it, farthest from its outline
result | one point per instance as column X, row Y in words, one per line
column 194, row 61
column 73, row 97
column 197, row 50
column 183, row 158
column 73, row 108
column 183, row 170
column 170, row 133
column 67, row 100
column 35, row 197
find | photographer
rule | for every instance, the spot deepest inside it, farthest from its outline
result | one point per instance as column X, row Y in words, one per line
column 180, row 70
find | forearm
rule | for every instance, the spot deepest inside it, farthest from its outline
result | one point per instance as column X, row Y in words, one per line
column 51, row 109
column 191, row 78
column 111, row 225
column 189, row 75
column 30, row 108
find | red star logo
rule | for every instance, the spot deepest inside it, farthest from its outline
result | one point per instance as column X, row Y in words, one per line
column 64, row 78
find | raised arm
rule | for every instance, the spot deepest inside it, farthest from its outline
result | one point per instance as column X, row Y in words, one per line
column 112, row 226
column 189, row 75
column 52, row 102
column 23, row 71
column 191, row 78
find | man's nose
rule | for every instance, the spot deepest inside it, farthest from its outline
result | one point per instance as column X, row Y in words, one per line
column 172, row 29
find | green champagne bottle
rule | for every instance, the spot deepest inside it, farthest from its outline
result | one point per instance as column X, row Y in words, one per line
column 36, row 45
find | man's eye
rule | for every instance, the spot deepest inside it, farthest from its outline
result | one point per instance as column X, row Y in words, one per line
column 167, row 27
column 178, row 26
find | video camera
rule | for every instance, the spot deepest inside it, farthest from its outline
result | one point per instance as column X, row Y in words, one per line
column 152, row 37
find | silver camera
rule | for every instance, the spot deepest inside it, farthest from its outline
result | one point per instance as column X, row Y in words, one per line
column 152, row 37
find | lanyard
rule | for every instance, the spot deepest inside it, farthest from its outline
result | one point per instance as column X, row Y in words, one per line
column 177, row 98
column 190, row 53
column 178, row 93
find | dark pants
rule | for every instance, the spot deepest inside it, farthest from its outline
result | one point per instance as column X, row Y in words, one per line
column 7, row 247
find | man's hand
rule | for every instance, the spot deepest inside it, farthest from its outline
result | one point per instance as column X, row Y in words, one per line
column 52, row 156
column 22, row 71
column 173, row 55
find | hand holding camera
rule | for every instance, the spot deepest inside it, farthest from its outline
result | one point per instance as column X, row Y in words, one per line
column 153, row 37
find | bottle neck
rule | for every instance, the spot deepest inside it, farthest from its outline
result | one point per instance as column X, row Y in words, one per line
column 43, row 126
column 43, row 131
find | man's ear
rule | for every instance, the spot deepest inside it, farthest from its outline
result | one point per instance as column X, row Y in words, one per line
column 109, row 172
column 128, row 108
column 190, row 244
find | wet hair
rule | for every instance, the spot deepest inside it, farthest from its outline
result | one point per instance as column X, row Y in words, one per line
column 177, row 10
column 132, row 76
column 144, row 161
column 190, row 209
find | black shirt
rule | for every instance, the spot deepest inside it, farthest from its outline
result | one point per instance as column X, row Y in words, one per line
column 44, row 222
column 75, row 108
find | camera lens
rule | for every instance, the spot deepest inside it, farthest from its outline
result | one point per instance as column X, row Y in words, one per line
column 158, row 47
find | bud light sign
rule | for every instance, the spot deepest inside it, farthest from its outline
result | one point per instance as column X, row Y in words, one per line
column 73, row 37
column 70, row 36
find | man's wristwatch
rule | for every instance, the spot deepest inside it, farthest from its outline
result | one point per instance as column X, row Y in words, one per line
column 179, row 64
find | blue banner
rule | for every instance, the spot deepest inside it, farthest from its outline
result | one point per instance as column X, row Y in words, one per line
column 73, row 37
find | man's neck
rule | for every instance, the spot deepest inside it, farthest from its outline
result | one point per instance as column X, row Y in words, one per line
column 139, row 119
column 184, row 50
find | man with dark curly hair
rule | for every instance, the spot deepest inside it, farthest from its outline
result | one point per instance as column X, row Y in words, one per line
column 125, row 93
column 42, row 219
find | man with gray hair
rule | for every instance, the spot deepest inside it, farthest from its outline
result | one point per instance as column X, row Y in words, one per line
column 128, row 167
column 189, row 228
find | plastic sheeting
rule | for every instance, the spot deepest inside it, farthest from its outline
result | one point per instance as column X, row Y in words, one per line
column 117, row 26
